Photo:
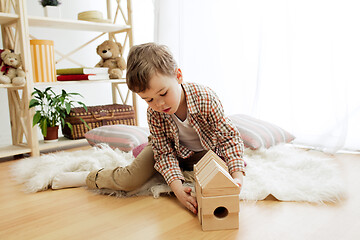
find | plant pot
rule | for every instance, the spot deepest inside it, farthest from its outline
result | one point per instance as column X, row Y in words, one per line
column 52, row 134
column 52, row 11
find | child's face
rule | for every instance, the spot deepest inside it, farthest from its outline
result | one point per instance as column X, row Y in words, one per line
column 164, row 93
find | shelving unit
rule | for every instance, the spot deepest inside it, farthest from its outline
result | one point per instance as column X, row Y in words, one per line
column 76, row 25
column 7, row 18
column 115, row 81
column 15, row 25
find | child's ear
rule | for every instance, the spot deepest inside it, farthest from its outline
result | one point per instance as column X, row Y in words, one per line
column 179, row 75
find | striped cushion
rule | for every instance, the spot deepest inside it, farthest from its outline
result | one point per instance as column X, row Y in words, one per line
column 123, row 137
column 257, row 133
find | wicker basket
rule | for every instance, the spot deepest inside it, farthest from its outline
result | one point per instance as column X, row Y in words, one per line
column 97, row 116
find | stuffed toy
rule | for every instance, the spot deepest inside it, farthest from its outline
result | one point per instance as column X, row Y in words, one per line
column 110, row 53
column 10, row 68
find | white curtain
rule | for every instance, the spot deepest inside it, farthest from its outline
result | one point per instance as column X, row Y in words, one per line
column 293, row 63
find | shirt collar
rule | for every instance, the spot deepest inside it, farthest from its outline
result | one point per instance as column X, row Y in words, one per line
column 191, row 105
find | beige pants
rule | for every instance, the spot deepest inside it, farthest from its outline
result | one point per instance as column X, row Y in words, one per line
column 136, row 174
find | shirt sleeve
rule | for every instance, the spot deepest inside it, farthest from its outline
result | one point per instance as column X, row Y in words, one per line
column 230, row 145
column 166, row 162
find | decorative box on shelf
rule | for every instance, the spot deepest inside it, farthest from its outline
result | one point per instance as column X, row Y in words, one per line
column 97, row 116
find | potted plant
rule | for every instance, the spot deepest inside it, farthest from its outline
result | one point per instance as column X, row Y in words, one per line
column 51, row 8
column 52, row 109
column 45, row 3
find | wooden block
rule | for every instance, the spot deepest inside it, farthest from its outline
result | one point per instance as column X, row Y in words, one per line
column 217, row 194
column 231, row 203
column 209, row 170
column 218, row 213
column 210, row 222
column 199, row 199
column 216, row 181
column 210, row 155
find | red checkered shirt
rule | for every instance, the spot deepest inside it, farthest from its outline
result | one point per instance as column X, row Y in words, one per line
column 216, row 132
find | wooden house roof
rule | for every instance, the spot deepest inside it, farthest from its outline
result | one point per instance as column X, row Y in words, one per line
column 213, row 177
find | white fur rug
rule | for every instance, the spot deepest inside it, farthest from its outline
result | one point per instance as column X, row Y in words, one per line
column 287, row 173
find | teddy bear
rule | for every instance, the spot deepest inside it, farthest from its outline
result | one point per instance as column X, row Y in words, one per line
column 10, row 68
column 110, row 53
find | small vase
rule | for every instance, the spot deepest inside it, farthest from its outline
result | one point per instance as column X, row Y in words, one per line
column 52, row 134
column 52, row 11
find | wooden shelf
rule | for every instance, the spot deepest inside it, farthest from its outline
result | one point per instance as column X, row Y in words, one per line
column 7, row 18
column 77, row 25
column 13, row 150
column 61, row 143
column 121, row 81
column 79, row 82
column 11, row 86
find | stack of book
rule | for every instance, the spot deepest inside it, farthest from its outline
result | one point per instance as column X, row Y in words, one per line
column 77, row 74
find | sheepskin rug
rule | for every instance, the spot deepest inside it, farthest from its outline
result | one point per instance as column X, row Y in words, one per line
column 287, row 173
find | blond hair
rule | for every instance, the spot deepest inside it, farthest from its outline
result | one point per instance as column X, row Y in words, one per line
column 144, row 61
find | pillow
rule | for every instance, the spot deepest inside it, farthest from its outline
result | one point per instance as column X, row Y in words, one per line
column 123, row 137
column 137, row 150
column 258, row 133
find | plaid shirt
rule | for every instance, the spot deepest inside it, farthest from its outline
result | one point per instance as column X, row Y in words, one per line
column 216, row 132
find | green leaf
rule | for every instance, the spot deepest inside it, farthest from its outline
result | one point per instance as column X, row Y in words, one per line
column 63, row 123
column 70, row 126
column 38, row 92
column 46, row 89
column 84, row 106
column 43, row 127
column 68, row 107
column 36, row 118
column 85, row 123
column 33, row 103
column 77, row 94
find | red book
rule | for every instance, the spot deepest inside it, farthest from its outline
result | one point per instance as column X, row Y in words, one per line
column 78, row 77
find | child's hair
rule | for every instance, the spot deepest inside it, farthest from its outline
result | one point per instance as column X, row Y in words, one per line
column 144, row 61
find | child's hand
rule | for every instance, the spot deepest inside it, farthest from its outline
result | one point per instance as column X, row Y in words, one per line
column 183, row 195
column 238, row 178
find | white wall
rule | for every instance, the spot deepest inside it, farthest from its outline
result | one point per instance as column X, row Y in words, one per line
column 66, row 41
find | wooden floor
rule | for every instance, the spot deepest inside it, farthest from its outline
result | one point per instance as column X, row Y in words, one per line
column 79, row 214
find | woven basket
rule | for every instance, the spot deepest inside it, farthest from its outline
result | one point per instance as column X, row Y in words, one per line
column 97, row 116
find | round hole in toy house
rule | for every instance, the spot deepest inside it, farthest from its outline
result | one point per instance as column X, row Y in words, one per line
column 221, row 212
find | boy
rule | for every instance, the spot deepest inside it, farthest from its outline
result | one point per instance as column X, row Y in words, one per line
column 185, row 121
column 183, row 118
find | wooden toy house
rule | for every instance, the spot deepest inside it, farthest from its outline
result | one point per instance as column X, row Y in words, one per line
column 217, row 194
